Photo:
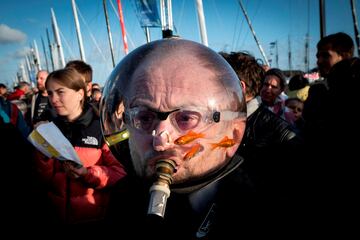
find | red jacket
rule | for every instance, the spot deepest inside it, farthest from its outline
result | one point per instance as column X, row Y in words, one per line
column 83, row 199
column 16, row 95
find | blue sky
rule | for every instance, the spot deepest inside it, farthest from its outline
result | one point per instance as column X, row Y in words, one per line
column 22, row 22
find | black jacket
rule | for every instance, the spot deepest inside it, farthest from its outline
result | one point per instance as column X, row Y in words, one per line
column 84, row 131
column 271, row 150
column 226, row 208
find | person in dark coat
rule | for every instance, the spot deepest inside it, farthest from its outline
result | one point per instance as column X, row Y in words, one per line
column 269, row 143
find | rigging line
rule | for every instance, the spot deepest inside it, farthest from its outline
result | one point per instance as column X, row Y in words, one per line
column 290, row 18
column 240, row 32
column 72, row 55
column 235, row 30
column 91, row 35
column 181, row 15
column 241, row 29
column 217, row 14
column 253, row 33
column 98, row 13
column 117, row 39
column 253, row 20
column 117, row 15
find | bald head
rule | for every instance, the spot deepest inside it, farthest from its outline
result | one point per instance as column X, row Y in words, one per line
column 41, row 79
column 170, row 88
column 174, row 68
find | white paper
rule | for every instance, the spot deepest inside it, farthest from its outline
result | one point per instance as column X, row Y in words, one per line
column 48, row 139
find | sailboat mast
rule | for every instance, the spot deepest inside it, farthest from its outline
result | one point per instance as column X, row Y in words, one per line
column 276, row 54
column 166, row 18
column 322, row 18
column 356, row 28
column 253, row 33
column 289, row 55
column 201, row 18
column 147, row 34
column 44, row 49
column 57, row 39
column 78, row 32
column 109, row 33
column 307, row 40
column 37, row 57
column 122, row 24
column 25, row 77
column 50, row 48
column 306, row 58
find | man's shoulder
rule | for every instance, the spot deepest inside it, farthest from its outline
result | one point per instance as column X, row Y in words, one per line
column 264, row 124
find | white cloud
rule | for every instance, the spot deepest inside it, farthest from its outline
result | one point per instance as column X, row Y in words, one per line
column 21, row 53
column 9, row 35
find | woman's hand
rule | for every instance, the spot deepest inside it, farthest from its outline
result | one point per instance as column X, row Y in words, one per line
column 73, row 170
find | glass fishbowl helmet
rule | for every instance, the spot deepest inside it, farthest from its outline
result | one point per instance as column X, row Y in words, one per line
column 118, row 112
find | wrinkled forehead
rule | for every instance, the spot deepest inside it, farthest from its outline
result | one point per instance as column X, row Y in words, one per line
column 174, row 81
column 272, row 80
column 180, row 79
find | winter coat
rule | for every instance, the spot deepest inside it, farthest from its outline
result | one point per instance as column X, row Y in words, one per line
column 84, row 199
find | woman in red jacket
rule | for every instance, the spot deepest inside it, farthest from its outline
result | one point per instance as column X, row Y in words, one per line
column 78, row 194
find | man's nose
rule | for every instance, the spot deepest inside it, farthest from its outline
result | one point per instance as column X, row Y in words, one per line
column 268, row 87
column 162, row 137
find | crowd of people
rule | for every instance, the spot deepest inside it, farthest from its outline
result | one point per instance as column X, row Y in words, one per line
column 188, row 143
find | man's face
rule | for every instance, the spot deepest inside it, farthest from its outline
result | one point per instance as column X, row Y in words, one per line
column 182, row 135
column 270, row 89
column 326, row 58
column 41, row 79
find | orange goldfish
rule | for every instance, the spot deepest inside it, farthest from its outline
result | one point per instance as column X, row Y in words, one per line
column 189, row 137
column 193, row 151
column 225, row 143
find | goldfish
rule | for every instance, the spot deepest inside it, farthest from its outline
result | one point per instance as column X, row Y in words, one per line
column 193, row 151
column 189, row 137
column 225, row 143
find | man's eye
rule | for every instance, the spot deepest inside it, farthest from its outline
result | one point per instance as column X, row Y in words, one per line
column 187, row 120
column 146, row 117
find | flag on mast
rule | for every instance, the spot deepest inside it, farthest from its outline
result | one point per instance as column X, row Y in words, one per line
column 147, row 13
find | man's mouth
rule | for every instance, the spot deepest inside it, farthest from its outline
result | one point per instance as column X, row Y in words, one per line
column 155, row 160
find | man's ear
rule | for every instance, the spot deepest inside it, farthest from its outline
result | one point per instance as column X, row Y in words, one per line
column 238, row 133
column 243, row 86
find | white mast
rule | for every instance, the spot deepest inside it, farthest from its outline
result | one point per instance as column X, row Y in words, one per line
column 201, row 17
column 37, row 57
column 57, row 39
column 25, row 77
column 80, row 41
column 45, row 55
column 50, row 49
column 55, row 56
column 166, row 18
